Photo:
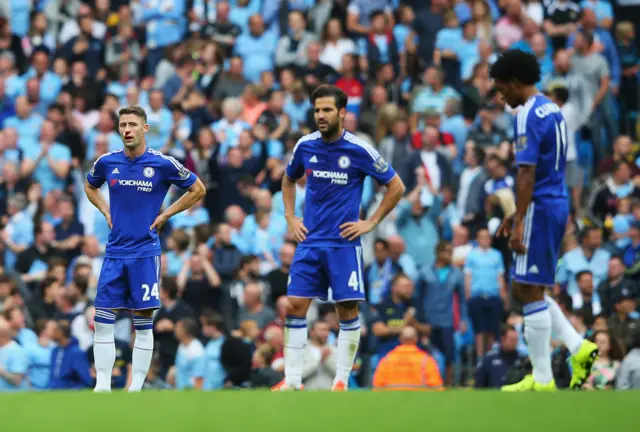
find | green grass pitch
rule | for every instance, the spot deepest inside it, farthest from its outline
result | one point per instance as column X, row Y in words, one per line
column 240, row 411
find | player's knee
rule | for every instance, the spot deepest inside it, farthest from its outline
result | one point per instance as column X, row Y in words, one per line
column 297, row 306
column 526, row 294
column 347, row 310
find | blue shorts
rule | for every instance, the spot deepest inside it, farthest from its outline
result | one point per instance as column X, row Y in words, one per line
column 129, row 283
column 544, row 226
column 486, row 313
column 316, row 269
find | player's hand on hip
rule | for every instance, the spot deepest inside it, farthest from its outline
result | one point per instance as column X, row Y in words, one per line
column 505, row 227
column 158, row 223
column 515, row 242
column 353, row 230
column 297, row 228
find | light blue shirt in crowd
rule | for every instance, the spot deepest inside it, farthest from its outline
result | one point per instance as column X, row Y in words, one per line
column 114, row 142
column 44, row 173
column 214, row 373
column 257, row 53
column 189, row 364
column 13, row 359
column 160, row 124
column 427, row 98
column 485, row 267
column 165, row 21
column 20, row 20
column 50, row 85
column 574, row 261
column 20, row 229
column 39, row 365
column 190, row 219
column 26, row 128
column 175, row 262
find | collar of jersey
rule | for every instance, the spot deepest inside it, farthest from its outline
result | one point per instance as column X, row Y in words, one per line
column 137, row 158
column 344, row 132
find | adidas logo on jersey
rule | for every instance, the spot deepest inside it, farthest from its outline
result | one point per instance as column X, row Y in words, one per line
column 313, row 159
column 115, row 171
column 534, row 269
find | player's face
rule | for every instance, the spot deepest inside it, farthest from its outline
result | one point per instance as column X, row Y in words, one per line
column 511, row 92
column 132, row 130
column 327, row 116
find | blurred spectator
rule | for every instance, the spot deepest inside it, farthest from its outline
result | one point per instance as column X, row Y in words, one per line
column 199, row 283
column 14, row 361
column 508, row 29
column 334, row 45
column 189, row 368
column 606, row 367
column 586, row 300
column 379, row 274
column 292, row 48
column 560, row 20
column 625, row 38
column 629, row 373
column 485, row 291
column 254, row 308
column 395, row 312
column 406, row 367
column 279, row 277
column 439, row 288
column 589, row 255
column 171, row 311
column 624, row 323
column 21, row 333
column 615, row 283
column 495, row 366
column 320, row 359
column 69, row 365
column 256, row 49
column 39, row 355
column 42, row 305
column 214, row 373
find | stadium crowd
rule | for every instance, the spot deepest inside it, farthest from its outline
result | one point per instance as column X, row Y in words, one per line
column 225, row 85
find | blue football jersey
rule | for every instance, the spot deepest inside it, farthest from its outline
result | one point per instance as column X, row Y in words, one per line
column 541, row 140
column 335, row 177
column 137, row 188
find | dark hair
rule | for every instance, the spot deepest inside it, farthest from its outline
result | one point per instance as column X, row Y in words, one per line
column 561, row 94
column 65, row 328
column 7, row 313
column 516, row 65
column 442, row 245
column 506, row 329
column 326, row 90
column 40, row 325
column 46, row 283
column 190, row 326
column 582, row 273
column 82, row 283
column 619, row 164
column 214, row 319
column 375, row 14
column 135, row 110
column 383, row 242
column 586, row 231
column 587, row 35
column 616, row 352
column 497, row 159
column 169, row 285
column 564, row 299
column 479, row 154
column 56, row 107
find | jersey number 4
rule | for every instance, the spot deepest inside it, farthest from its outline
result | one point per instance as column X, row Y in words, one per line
column 153, row 291
column 561, row 142
column 353, row 282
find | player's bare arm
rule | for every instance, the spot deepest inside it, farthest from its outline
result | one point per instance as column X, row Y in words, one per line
column 525, row 181
column 395, row 191
column 195, row 193
column 296, row 226
column 96, row 198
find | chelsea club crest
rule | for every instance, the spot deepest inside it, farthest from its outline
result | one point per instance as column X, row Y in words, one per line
column 344, row 162
column 148, row 172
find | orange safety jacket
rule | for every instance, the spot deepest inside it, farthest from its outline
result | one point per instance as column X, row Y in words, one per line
column 407, row 368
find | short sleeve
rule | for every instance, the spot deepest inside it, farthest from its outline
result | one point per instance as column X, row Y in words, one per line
column 96, row 176
column 374, row 165
column 199, row 366
column 528, row 137
column 603, row 69
column 468, row 264
column 295, row 168
column 177, row 174
column 62, row 153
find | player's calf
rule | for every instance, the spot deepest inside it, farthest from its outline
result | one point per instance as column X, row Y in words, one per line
column 142, row 348
column 104, row 348
column 348, row 340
